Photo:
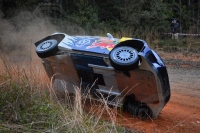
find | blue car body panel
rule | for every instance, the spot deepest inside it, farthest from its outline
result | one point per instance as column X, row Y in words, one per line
column 85, row 60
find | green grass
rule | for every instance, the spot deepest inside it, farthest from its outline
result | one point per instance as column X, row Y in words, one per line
column 26, row 107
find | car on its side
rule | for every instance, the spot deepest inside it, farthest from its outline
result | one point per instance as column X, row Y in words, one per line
column 124, row 71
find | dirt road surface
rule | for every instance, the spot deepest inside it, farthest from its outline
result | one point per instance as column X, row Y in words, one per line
column 182, row 113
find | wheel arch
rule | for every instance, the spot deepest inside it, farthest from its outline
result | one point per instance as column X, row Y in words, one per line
column 135, row 43
column 58, row 37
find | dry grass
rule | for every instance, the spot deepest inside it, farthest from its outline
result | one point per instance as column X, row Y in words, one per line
column 28, row 103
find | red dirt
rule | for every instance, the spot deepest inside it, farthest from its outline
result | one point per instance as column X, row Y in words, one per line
column 182, row 113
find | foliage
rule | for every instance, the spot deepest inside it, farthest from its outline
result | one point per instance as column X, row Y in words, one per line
column 141, row 19
column 85, row 14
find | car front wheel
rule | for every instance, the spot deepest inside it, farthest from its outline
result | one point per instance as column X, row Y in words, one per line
column 124, row 58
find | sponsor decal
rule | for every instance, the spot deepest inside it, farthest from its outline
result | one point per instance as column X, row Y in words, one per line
column 103, row 44
column 69, row 41
column 80, row 42
column 125, row 39
column 83, row 42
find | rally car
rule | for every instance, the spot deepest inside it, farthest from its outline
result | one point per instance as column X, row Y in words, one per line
column 124, row 71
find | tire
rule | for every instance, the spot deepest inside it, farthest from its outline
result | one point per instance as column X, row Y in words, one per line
column 136, row 108
column 140, row 110
column 143, row 112
column 47, row 48
column 124, row 58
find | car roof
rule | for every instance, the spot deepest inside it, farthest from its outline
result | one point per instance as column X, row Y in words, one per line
column 94, row 44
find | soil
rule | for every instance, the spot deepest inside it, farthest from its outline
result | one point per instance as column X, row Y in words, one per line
column 182, row 112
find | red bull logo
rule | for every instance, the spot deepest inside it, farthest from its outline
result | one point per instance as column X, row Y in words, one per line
column 102, row 45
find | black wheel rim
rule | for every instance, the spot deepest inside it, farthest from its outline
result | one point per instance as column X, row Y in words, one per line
column 142, row 113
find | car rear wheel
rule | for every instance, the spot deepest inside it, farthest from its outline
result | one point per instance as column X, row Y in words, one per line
column 143, row 112
column 124, row 58
column 140, row 110
column 137, row 108
column 47, row 48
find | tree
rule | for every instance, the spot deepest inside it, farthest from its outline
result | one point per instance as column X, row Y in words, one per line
column 144, row 16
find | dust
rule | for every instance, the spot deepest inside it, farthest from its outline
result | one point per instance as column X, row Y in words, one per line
column 20, row 32
column 17, row 38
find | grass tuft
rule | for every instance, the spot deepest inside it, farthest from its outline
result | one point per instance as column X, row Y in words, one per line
column 29, row 105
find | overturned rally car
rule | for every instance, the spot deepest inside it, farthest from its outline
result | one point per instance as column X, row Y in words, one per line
column 126, row 72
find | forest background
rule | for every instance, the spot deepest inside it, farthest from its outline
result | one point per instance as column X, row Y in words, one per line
column 145, row 19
